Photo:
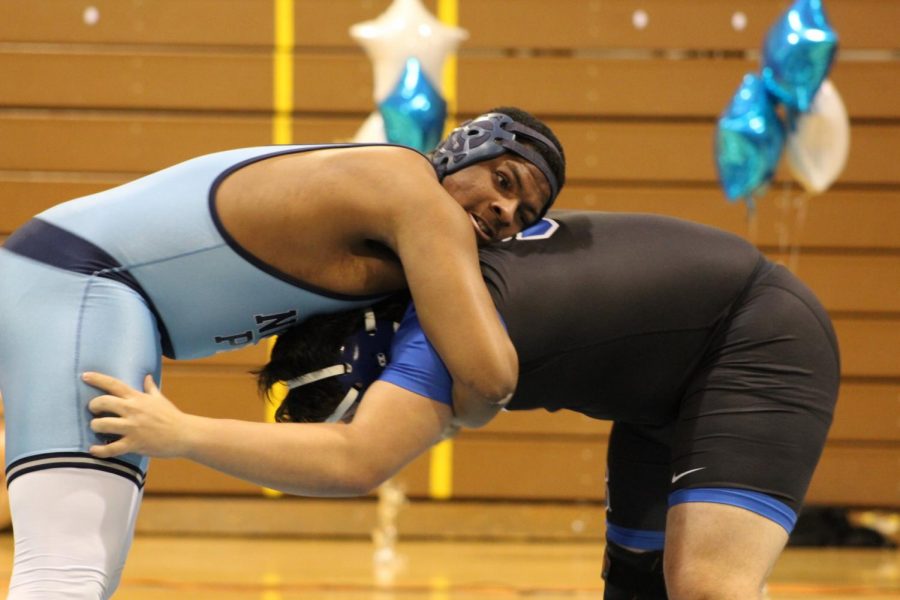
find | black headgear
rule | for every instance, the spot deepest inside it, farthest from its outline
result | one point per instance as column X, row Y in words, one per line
column 488, row 136
column 364, row 354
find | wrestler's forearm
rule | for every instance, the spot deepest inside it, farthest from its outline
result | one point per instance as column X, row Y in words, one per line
column 295, row 458
column 459, row 317
column 391, row 427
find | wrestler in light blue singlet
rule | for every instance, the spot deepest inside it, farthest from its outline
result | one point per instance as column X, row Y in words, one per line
column 111, row 281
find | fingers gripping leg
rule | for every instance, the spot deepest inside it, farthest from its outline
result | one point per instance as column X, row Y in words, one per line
column 73, row 529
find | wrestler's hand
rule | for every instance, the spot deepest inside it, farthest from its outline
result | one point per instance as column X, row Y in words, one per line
column 147, row 422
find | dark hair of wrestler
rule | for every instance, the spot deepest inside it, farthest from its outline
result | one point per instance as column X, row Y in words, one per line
column 316, row 344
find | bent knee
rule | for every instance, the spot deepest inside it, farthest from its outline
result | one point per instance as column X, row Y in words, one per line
column 699, row 581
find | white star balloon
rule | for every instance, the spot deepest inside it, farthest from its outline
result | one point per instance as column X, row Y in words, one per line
column 405, row 30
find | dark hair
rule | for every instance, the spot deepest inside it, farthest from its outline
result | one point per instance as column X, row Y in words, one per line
column 315, row 344
column 557, row 162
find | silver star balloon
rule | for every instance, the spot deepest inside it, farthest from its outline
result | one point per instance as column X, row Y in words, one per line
column 408, row 92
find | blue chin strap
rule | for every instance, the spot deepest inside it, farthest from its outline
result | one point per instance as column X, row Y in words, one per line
column 488, row 136
column 364, row 355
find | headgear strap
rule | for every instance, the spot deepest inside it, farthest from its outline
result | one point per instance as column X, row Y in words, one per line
column 365, row 353
column 316, row 376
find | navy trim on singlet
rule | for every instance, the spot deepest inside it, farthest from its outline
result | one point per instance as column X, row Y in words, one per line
column 255, row 261
column 54, row 246
column 74, row 460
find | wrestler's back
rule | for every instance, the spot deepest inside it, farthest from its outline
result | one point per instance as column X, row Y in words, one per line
column 275, row 209
column 209, row 292
column 612, row 312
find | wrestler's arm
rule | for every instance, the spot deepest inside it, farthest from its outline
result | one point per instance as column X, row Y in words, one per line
column 399, row 416
column 391, row 427
column 409, row 211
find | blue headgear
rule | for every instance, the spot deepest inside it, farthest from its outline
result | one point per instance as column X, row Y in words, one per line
column 364, row 354
column 488, row 136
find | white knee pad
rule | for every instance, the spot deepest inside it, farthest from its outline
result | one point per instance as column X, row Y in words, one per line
column 73, row 529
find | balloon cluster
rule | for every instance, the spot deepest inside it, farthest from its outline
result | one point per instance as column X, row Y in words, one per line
column 750, row 135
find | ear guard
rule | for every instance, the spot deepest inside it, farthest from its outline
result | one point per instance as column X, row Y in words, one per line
column 488, row 136
column 364, row 355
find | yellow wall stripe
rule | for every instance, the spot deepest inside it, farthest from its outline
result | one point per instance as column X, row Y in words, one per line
column 276, row 396
column 441, row 471
column 283, row 73
column 440, row 476
column 282, row 132
column 448, row 13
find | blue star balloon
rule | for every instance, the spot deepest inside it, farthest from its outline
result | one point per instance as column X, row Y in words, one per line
column 414, row 112
column 749, row 141
column 798, row 53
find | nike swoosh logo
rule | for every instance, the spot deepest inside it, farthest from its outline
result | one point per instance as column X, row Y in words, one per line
column 680, row 475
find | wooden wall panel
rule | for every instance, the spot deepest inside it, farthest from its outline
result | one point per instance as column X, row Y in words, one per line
column 697, row 24
column 564, row 24
column 851, row 283
column 645, row 151
column 124, row 142
column 489, row 468
column 633, row 152
column 857, row 476
column 244, row 23
column 869, row 346
column 198, row 22
column 24, row 195
column 867, row 412
column 126, row 79
column 851, row 219
column 591, row 86
column 193, row 79
column 179, row 80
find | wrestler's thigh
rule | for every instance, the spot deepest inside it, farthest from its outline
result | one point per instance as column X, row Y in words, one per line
column 724, row 549
column 53, row 328
column 757, row 416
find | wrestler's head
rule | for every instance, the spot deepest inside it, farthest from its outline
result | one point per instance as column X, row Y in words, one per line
column 504, row 167
column 328, row 361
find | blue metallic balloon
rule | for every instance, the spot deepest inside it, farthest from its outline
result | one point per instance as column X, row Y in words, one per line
column 798, row 53
column 749, row 141
column 414, row 112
